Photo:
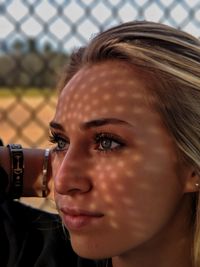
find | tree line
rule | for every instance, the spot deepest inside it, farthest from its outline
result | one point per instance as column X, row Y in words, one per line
column 27, row 66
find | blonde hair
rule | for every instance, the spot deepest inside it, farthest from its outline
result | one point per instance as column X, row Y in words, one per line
column 172, row 58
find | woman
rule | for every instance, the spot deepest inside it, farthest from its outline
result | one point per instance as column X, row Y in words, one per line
column 29, row 236
column 126, row 163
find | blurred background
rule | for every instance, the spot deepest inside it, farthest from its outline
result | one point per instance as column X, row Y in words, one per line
column 36, row 39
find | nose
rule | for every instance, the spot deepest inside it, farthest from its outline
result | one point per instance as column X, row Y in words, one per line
column 72, row 176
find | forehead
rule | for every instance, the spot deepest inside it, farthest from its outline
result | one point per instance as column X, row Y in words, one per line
column 106, row 89
column 113, row 75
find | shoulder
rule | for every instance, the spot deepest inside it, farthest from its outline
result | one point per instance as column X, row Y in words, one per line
column 36, row 238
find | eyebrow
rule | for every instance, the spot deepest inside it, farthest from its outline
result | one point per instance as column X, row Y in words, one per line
column 56, row 125
column 92, row 124
column 102, row 122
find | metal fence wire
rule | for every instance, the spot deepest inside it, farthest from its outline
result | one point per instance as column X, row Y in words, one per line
column 36, row 38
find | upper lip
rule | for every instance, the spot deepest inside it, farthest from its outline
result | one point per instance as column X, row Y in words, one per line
column 79, row 212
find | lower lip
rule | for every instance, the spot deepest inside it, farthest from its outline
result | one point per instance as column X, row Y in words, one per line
column 77, row 222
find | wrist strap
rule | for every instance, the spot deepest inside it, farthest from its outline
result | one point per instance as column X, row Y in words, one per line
column 17, row 170
column 44, row 173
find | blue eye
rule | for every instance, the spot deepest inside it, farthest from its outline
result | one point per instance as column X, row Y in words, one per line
column 62, row 144
column 107, row 142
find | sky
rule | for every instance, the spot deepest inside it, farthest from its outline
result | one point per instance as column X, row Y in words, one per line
column 67, row 24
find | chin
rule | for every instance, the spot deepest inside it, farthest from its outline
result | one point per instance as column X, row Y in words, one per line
column 89, row 250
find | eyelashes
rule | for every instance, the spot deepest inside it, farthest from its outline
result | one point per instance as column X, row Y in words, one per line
column 101, row 142
column 60, row 142
column 105, row 142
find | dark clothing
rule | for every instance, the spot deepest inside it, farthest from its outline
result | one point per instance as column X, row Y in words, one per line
column 33, row 238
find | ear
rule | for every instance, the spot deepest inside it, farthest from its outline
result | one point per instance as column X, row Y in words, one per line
column 192, row 182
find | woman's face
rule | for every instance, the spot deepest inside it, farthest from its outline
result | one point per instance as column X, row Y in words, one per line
column 117, row 178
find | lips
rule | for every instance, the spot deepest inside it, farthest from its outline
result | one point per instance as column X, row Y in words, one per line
column 76, row 219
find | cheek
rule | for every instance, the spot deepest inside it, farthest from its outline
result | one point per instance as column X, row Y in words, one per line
column 56, row 161
column 142, row 195
column 55, row 164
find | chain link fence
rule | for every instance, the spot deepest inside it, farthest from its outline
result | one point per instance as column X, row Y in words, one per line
column 36, row 38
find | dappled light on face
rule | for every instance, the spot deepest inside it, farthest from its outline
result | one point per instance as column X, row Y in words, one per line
column 138, row 110
column 119, row 109
column 136, row 95
column 106, row 97
column 137, row 158
column 79, row 105
column 94, row 89
column 122, row 94
column 108, row 198
column 85, row 97
column 120, row 162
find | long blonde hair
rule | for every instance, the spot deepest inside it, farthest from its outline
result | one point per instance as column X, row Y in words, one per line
column 172, row 57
